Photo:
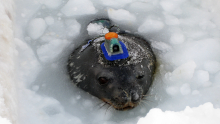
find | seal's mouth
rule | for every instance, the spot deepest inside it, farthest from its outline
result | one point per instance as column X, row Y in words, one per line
column 127, row 106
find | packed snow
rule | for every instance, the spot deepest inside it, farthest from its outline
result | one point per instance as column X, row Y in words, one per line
column 95, row 29
column 204, row 114
column 8, row 97
column 78, row 7
column 36, row 28
column 121, row 15
column 184, row 36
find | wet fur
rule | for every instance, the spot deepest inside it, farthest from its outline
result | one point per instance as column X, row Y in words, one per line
column 85, row 68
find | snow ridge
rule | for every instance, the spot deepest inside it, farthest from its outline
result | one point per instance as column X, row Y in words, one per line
column 7, row 90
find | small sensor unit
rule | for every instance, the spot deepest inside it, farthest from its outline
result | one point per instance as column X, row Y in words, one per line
column 112, row 48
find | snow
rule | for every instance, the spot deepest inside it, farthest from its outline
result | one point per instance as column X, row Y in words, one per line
column 121, row 16
column 204, row 114
column 115, row 3
column 4, row 121
column 172, row 90
column 151, row 26
column 217, row 77
column 161, row 46
column 36, row 28
column 73, row 29
column 212, row 66
column 184, row 35
column 8, row 100
column 202, row 76
column 27, row 62
column 52, row 4
column 95, row 29
column 76, row 7
column 185, row 89
column 168, row 6
column 51, row 50
column 171, row 20
column 142, row 6
column 49, row 20
column 177, row 38
column 183, row 72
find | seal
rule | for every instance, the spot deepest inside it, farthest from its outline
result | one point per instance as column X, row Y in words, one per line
column 120, row 82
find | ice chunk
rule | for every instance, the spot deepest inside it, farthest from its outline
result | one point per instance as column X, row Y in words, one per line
column 35, row 88
column 200, row 51
column 73, row 29
column 57, row 30
column 115, row 3
column 151, row 26
column 177, row 38
column 172, row 6
column 52, row 110
column 168, row 5
column 184, row 72
column 46, row 38
column 217, row 78
column 207, row 84
column 49, row 20
column 172, row 90
column 78, row 97
column 185, row 89
column 139, row 6
column 204, row 114
column 121, row 16
column 202, row 76
column 203, row 49
column 4, row 121
column 102, row 115
column 78, row 7
column 161, row 46
column 52, row 4
column 51, row 50
column 47, row 107
column 171, row 20
column 195, row 92
column 95, row 29
column 87, row 103
column 27, row 62
column 212, row 66
column 36, row 28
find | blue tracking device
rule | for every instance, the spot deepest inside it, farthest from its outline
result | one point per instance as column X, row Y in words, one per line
column 122, row 55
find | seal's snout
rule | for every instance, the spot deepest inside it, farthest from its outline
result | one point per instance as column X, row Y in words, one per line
column 134, row 96
column 126, row 100
column 121, row 99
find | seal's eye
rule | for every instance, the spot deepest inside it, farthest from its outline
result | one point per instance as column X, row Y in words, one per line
column 140, row 76
column 102, row 80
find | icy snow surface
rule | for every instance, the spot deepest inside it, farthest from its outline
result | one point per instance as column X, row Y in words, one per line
column 204, row 114
column 184, row 35
column 8, row 104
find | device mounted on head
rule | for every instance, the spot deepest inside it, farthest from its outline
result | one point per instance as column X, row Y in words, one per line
column 112, row 48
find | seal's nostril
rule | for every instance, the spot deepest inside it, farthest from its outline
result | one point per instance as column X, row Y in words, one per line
column 134, row 96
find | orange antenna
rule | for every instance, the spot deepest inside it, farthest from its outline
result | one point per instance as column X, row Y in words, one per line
column 111, row 35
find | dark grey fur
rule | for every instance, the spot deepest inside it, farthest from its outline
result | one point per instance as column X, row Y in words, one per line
column 128, row 80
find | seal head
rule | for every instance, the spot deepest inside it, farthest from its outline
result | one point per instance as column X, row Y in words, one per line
column 121, row 83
